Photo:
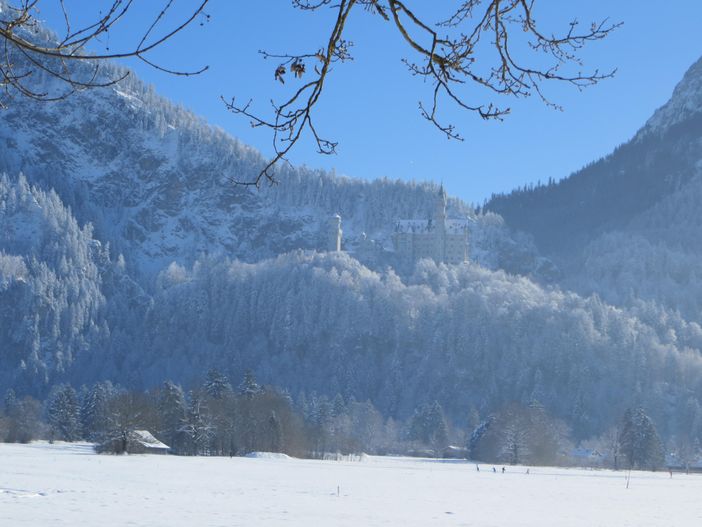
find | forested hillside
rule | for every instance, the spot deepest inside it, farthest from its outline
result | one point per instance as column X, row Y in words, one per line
column 627, row 227
column 51, row 304
column 127, row 254
column 158, row 183
column 662, row 157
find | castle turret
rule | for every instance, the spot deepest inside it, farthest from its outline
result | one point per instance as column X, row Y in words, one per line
column 440, row 213
column 334, row 233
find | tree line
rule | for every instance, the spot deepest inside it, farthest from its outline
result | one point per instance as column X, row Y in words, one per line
column 216, row 418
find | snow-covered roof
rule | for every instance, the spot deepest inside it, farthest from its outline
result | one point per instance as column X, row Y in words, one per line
column 267, row 455
column 146, row 439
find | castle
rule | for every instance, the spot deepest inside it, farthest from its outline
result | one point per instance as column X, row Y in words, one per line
column 438, row 238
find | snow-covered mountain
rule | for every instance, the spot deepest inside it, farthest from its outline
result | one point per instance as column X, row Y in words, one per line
column 466, row 336
column 628, row 226
column 157, row 182
column 685, row 103
column 127, row 253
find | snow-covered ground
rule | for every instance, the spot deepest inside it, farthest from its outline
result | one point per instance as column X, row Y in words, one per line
column 57, row 485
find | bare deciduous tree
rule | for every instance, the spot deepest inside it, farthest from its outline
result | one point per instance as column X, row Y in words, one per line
column 496, row 45
column 480, row 43
column 26, row 50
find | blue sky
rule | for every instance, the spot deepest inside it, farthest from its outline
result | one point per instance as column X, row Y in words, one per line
column 370, row 104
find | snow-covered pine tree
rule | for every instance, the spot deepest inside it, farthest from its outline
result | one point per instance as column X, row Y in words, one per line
column 274, row 431
column 428, row 425
column 216, row 384
column 249, row 387
column 95, row 411
column 198, row 426
column 63, row 413
column 639, row 440
column 173, row 411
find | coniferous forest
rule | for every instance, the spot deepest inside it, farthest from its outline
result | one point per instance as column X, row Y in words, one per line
column 137, row 288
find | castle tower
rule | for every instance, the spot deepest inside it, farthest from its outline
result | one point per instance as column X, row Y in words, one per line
column 440, row 213
column 334, row 233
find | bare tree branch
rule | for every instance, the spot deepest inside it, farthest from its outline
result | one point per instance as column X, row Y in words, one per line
column 21, row 38
column 480, row 44
column 294, row 116
column 493, row 45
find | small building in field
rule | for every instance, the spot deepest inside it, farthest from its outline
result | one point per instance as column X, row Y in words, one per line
column 135, row 442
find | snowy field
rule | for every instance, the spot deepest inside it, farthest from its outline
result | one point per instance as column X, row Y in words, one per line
column 67, row 485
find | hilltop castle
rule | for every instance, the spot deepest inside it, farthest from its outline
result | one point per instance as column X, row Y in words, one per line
column 438, row 238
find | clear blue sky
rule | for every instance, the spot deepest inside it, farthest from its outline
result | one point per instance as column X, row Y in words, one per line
column 370, row 104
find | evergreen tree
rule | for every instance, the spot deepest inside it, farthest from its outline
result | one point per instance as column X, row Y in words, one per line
column 9, row 401
column 173, row 411
column 322, row 419
column 249, row 387
column 95, row 411
column 639, row 441
column 476, row 438
column 63, row 413
column 216, row 384
column 428, row 426
column 275, row 433
column 198, row 426
column 22, row 418
column 339, row 406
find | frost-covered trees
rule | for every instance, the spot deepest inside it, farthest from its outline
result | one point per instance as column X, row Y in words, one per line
column 198, row 427
column 248, row 387
column 274, row 433
column 172, row 409
column 217, row 385
column 129, row 411
column 428, row 426
column 50, row 298
column 63, row 414
column 465, row 336
column 20, row 419
column 639, row 442
column 519, row 434
column 95, row 415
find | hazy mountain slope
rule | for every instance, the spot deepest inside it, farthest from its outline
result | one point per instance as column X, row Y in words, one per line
column 665, row 155
column 655, row 257
column 628, row 227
